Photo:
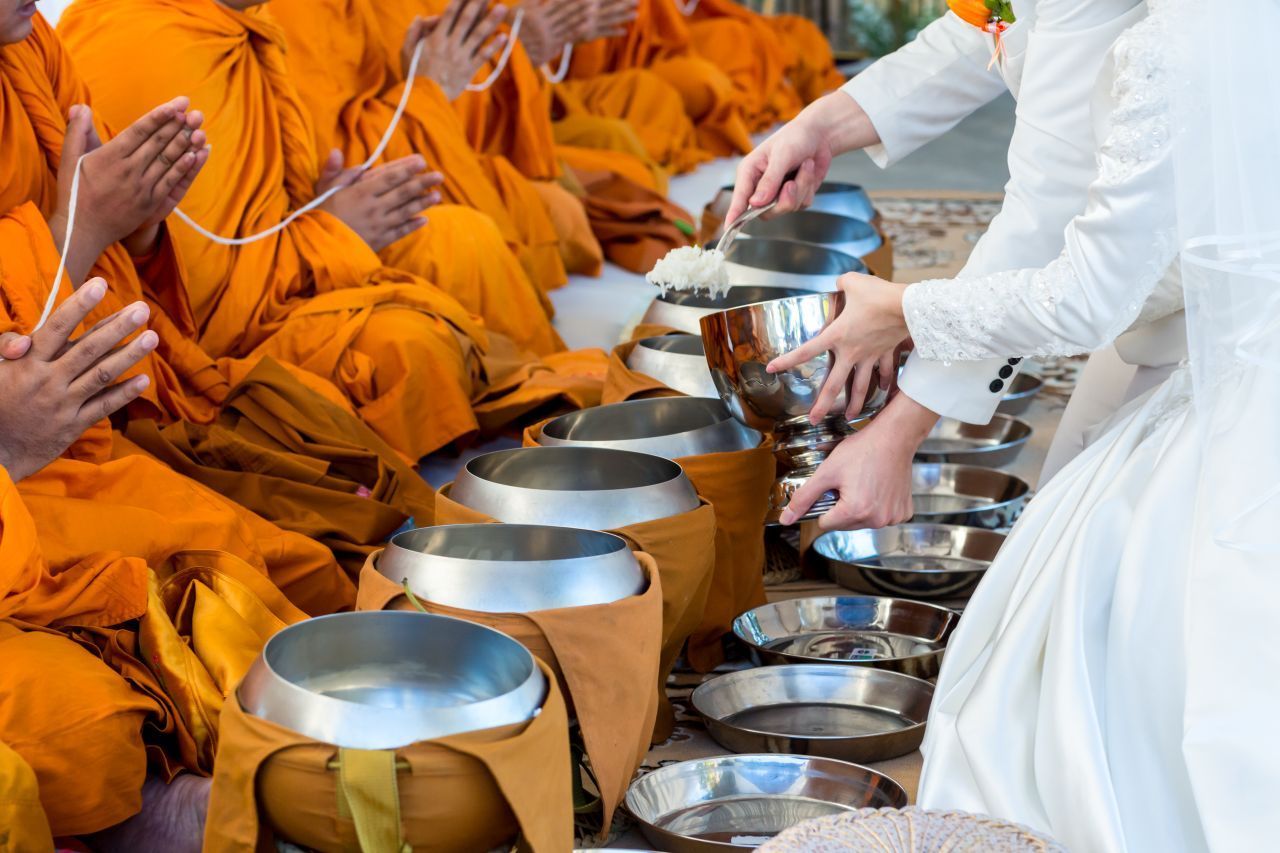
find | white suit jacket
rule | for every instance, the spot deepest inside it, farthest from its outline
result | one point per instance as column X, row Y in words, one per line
column 1055, row 52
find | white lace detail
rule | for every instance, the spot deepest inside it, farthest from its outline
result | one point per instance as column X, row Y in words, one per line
column 959, row 320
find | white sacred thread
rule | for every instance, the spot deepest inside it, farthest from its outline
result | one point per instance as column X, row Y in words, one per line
column 566, row 58
column 306, row 208
column 689, row 8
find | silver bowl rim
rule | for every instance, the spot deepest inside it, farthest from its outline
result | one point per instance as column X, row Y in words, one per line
column 478, row 525
column 834, row 534
column 642, row 403
column 1022, row 434
column 1026, row 392
column 1026, row 494
column 810, row 295
column 675, row 469
column 833, row 668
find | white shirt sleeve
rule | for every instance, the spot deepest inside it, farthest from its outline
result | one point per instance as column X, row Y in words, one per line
column 923, row 89
column 1115, row 253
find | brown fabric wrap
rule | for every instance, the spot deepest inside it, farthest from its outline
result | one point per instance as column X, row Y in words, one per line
column 683, row 547
column 471, row 791
column 604, row 657
column 880, row 262
column 737, row 485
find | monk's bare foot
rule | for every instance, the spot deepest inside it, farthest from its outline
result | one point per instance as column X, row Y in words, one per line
column 171, row 820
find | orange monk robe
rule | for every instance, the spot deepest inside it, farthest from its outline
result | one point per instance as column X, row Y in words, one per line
column 25, row 826
column 660, row 40
column 813, row 72
column 352, row 86
column 314, row 294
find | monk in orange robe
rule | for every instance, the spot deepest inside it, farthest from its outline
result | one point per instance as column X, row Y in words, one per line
column 407, row 356
column 352, row 87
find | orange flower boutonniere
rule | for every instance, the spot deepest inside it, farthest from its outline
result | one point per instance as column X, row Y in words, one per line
column 990, row 16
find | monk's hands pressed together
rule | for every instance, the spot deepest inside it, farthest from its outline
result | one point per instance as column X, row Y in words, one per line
column 865, row 337
column 385, row 203
column 458, row 43
column 608, row 18
column 53, row 387
column 549, row 25
column 127, row 185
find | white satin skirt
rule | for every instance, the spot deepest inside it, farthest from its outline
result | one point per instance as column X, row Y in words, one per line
column 1115, row 681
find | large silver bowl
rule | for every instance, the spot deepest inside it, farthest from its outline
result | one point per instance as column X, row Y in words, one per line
column 832, row 197
column 992, row 445
column 670, row 427
column 1022, row 393
column 593, row 488
column 855, row 237
column 741, row 801
column 967, row 495
column 386, row 679
column 512, row 568
column 684, row 310
column 785, row 263
column 885, row 633
column 851, row 713
column 676, row 361
column 741, row 342
column 921, row 561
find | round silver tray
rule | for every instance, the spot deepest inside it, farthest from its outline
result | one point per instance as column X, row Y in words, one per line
column 851, row 713
column 921, row 561
column 993, row 445
column 967, row 495
column 885, row 633
column 740, row 801
column 1022, row 393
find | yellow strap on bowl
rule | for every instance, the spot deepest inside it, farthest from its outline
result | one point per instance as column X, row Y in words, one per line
column 368, row 793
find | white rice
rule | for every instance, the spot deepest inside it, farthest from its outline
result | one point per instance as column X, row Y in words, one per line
column 691, row 268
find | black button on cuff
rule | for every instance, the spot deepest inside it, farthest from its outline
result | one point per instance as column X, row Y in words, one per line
column 1015, row 361
column 1006, row 372
column 996, row 386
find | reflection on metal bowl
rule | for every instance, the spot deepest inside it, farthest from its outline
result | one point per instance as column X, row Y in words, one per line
column 676, row 361
column 992, row 445
column 784, row 263
column 920, row 561
column 855, row 237
column 741, row 801
column 1022, row 393
column 670, row 427
column 512, row 568
column 886, row 633
column 851, row 713
column 967, row 495
column 386, row 679
column 593, row 488
column 831, row 197
column 741, row 342
column 683, row 310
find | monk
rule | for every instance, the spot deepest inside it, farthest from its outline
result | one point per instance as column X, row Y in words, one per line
column 406, row 355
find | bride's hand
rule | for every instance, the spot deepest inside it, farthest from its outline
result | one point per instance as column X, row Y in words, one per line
column 862, row 338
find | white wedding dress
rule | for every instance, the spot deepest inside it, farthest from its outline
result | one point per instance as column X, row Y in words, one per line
column 1115, row 681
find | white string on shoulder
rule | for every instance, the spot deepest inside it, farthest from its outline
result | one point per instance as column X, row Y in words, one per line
column 566, row 59
column 504, row 59
column 689, row 8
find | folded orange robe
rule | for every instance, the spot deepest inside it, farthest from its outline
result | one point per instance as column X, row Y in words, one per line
column 351, row 86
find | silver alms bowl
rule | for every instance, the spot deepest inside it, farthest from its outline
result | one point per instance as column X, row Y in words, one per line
column 992, row 444
column 921, row 561
column 786, row 263
column 676, row 361
column 593, row 488
column 855, row 237
column 967, row 495
column 1022, row 393
column 512, row 568
column 741, row 342
column 386, row 679
column 684, row 311
column 670, row 427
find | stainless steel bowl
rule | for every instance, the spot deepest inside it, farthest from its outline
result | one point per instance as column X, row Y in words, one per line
column 592, row 488
column 967, row 495
column 676, row 361
column 1022, row 393
column 885, row 633
column 831, row 197
column 683, row 310
column 512, row 568
column 740, row 343
column 992, row 445
column 855, row 237
column 921, row 561
column 670, row 427
column 851, row 713
column 741, row 801
column 784, row 263
column 386, row 679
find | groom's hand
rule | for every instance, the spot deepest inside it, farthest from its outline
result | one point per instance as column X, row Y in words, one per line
column 870, row 470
